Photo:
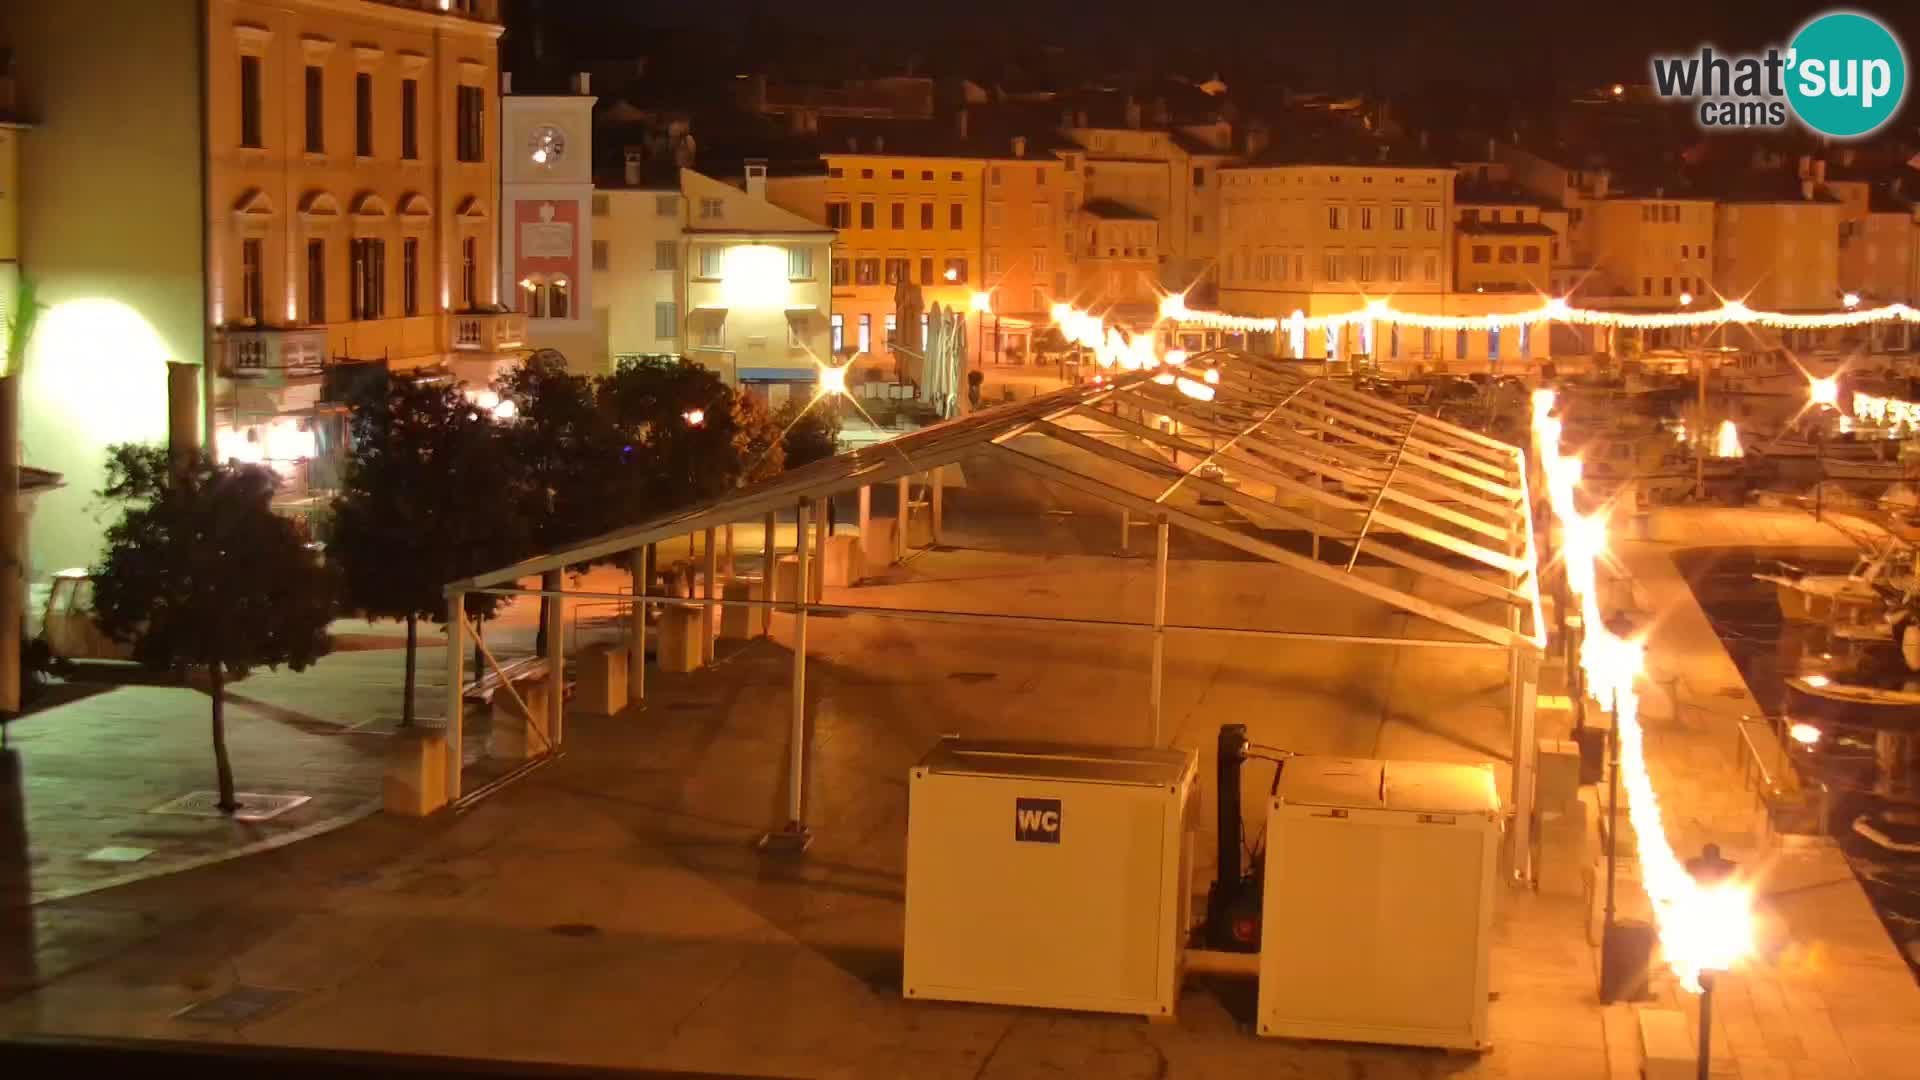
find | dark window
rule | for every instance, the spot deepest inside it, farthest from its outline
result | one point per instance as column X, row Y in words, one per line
column 363, row 114
column 838, row 215
column 469, row 271
column 410, row 119
column 316, row 281
column 926, row 215
column 866, row 271
column 250, row 105
column 836, row 172
column 472, row 115
column 926, row 270
column 1482, row 253
column 252, row 292
column 897, row 216
column 899, row 174
column 1666, row 286
column 926, row 174
column 1530, row 254
column 1199, row 177
column 866, row 215
column 316, row 110
column 369, row 279
column 866, row 174
column 842, row 272
column 410, row 275
column 1507, row 253
column 956, row 217
column 957, row 271
column 897, row 271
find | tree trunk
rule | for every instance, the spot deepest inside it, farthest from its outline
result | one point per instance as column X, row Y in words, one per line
column 540, row 636
column 406, row 694
column 216, row 680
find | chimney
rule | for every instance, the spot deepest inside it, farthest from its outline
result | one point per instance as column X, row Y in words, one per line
column 1383, row 149
column 1806, row 166
column 506, row 84
column 634, row 158
column 757, row 177
column 1820, row 170
column 1806, row 189
column 582, row 83
column 1019, row 146
column 879, row 144
column 1133, row 114
column 960, row 122
column 1256, row 141
column 853, row 144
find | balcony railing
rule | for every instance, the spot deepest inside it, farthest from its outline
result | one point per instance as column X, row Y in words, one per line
column 491, row 331
column 484, row 10
column 275, row 354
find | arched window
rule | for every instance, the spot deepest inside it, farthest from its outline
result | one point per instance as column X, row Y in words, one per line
column 559, row 301
column 535, row 288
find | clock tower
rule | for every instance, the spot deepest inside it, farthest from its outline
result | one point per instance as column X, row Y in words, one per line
column 546, row 218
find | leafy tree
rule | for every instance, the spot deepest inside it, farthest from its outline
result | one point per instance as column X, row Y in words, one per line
column 683, row 425
column 756, row 440
column 200, row 572
column 432, row 494
column 812, row 431
column 581, row 469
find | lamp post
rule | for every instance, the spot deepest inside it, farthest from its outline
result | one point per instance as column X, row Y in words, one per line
column 981, row 302
column 1709, row 869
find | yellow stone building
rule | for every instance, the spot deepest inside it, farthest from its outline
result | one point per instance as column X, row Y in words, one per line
column 276, row 192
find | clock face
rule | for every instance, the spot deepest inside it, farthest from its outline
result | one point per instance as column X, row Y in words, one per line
column 546, row 145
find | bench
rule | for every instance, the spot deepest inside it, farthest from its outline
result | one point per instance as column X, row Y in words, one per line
column 481, row 690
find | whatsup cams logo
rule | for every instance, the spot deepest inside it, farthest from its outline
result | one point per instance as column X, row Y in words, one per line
column 1843, row 75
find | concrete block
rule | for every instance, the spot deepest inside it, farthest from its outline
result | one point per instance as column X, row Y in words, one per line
column 786, row 579
column 415, row 783
column 600, row 680
column 877, row 542
column 678, row 646
column 844, row 562
column 741, row 623
column 516, row 735
column 1558, row 782
column 1566, row 852
column 920, row 526
column 1666, row 1046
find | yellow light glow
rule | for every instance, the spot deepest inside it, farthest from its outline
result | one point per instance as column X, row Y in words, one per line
column 1173, row 306
column 832, row 380
column 1824, row 391
column 1175, row 357
column 1726, row 444
column 1618, row 89
column 1816, row 680
column 952, row 274
column 1851, row 300
column 980, row 302
column 1730, row 312
column 1686, row 299
column 1199, row 391
column 1212, row 376
column 695, row 417
column 1703, row 927
column 1804, row 733
column 506, row 410
column 754, row 276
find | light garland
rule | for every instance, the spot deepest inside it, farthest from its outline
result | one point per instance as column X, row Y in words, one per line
column 1173, row 307
column 1885, row 410
column 1703, row 927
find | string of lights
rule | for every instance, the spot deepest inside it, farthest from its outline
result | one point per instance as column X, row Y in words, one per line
column 1702, row 927
column 1173, row 307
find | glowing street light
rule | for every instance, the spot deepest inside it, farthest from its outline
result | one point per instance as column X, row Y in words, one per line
column 952, row 274
column 980, row 302
column 1851, row 300
column 833, row 380
column 694, row 417
column 1618, row 89
column 1804, row 733
column 1824, row 391
column 1686, row 298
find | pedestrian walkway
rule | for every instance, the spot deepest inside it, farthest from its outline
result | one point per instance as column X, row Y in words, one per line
column 1829, row 994
column 114, row 746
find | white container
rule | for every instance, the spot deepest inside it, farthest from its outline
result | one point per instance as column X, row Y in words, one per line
column 1049, row 875
column 1378, row 902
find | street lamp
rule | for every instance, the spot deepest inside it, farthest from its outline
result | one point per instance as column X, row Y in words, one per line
column 1851, row 300
column 981, row 303
column 1709, row 870
column 1686, row 298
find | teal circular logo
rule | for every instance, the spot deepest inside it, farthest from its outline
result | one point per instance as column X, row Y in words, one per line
column 1846, row 74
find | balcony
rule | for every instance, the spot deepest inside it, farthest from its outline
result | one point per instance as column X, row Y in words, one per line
column 481, row 10
column 489, row 331
column 274, row 356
